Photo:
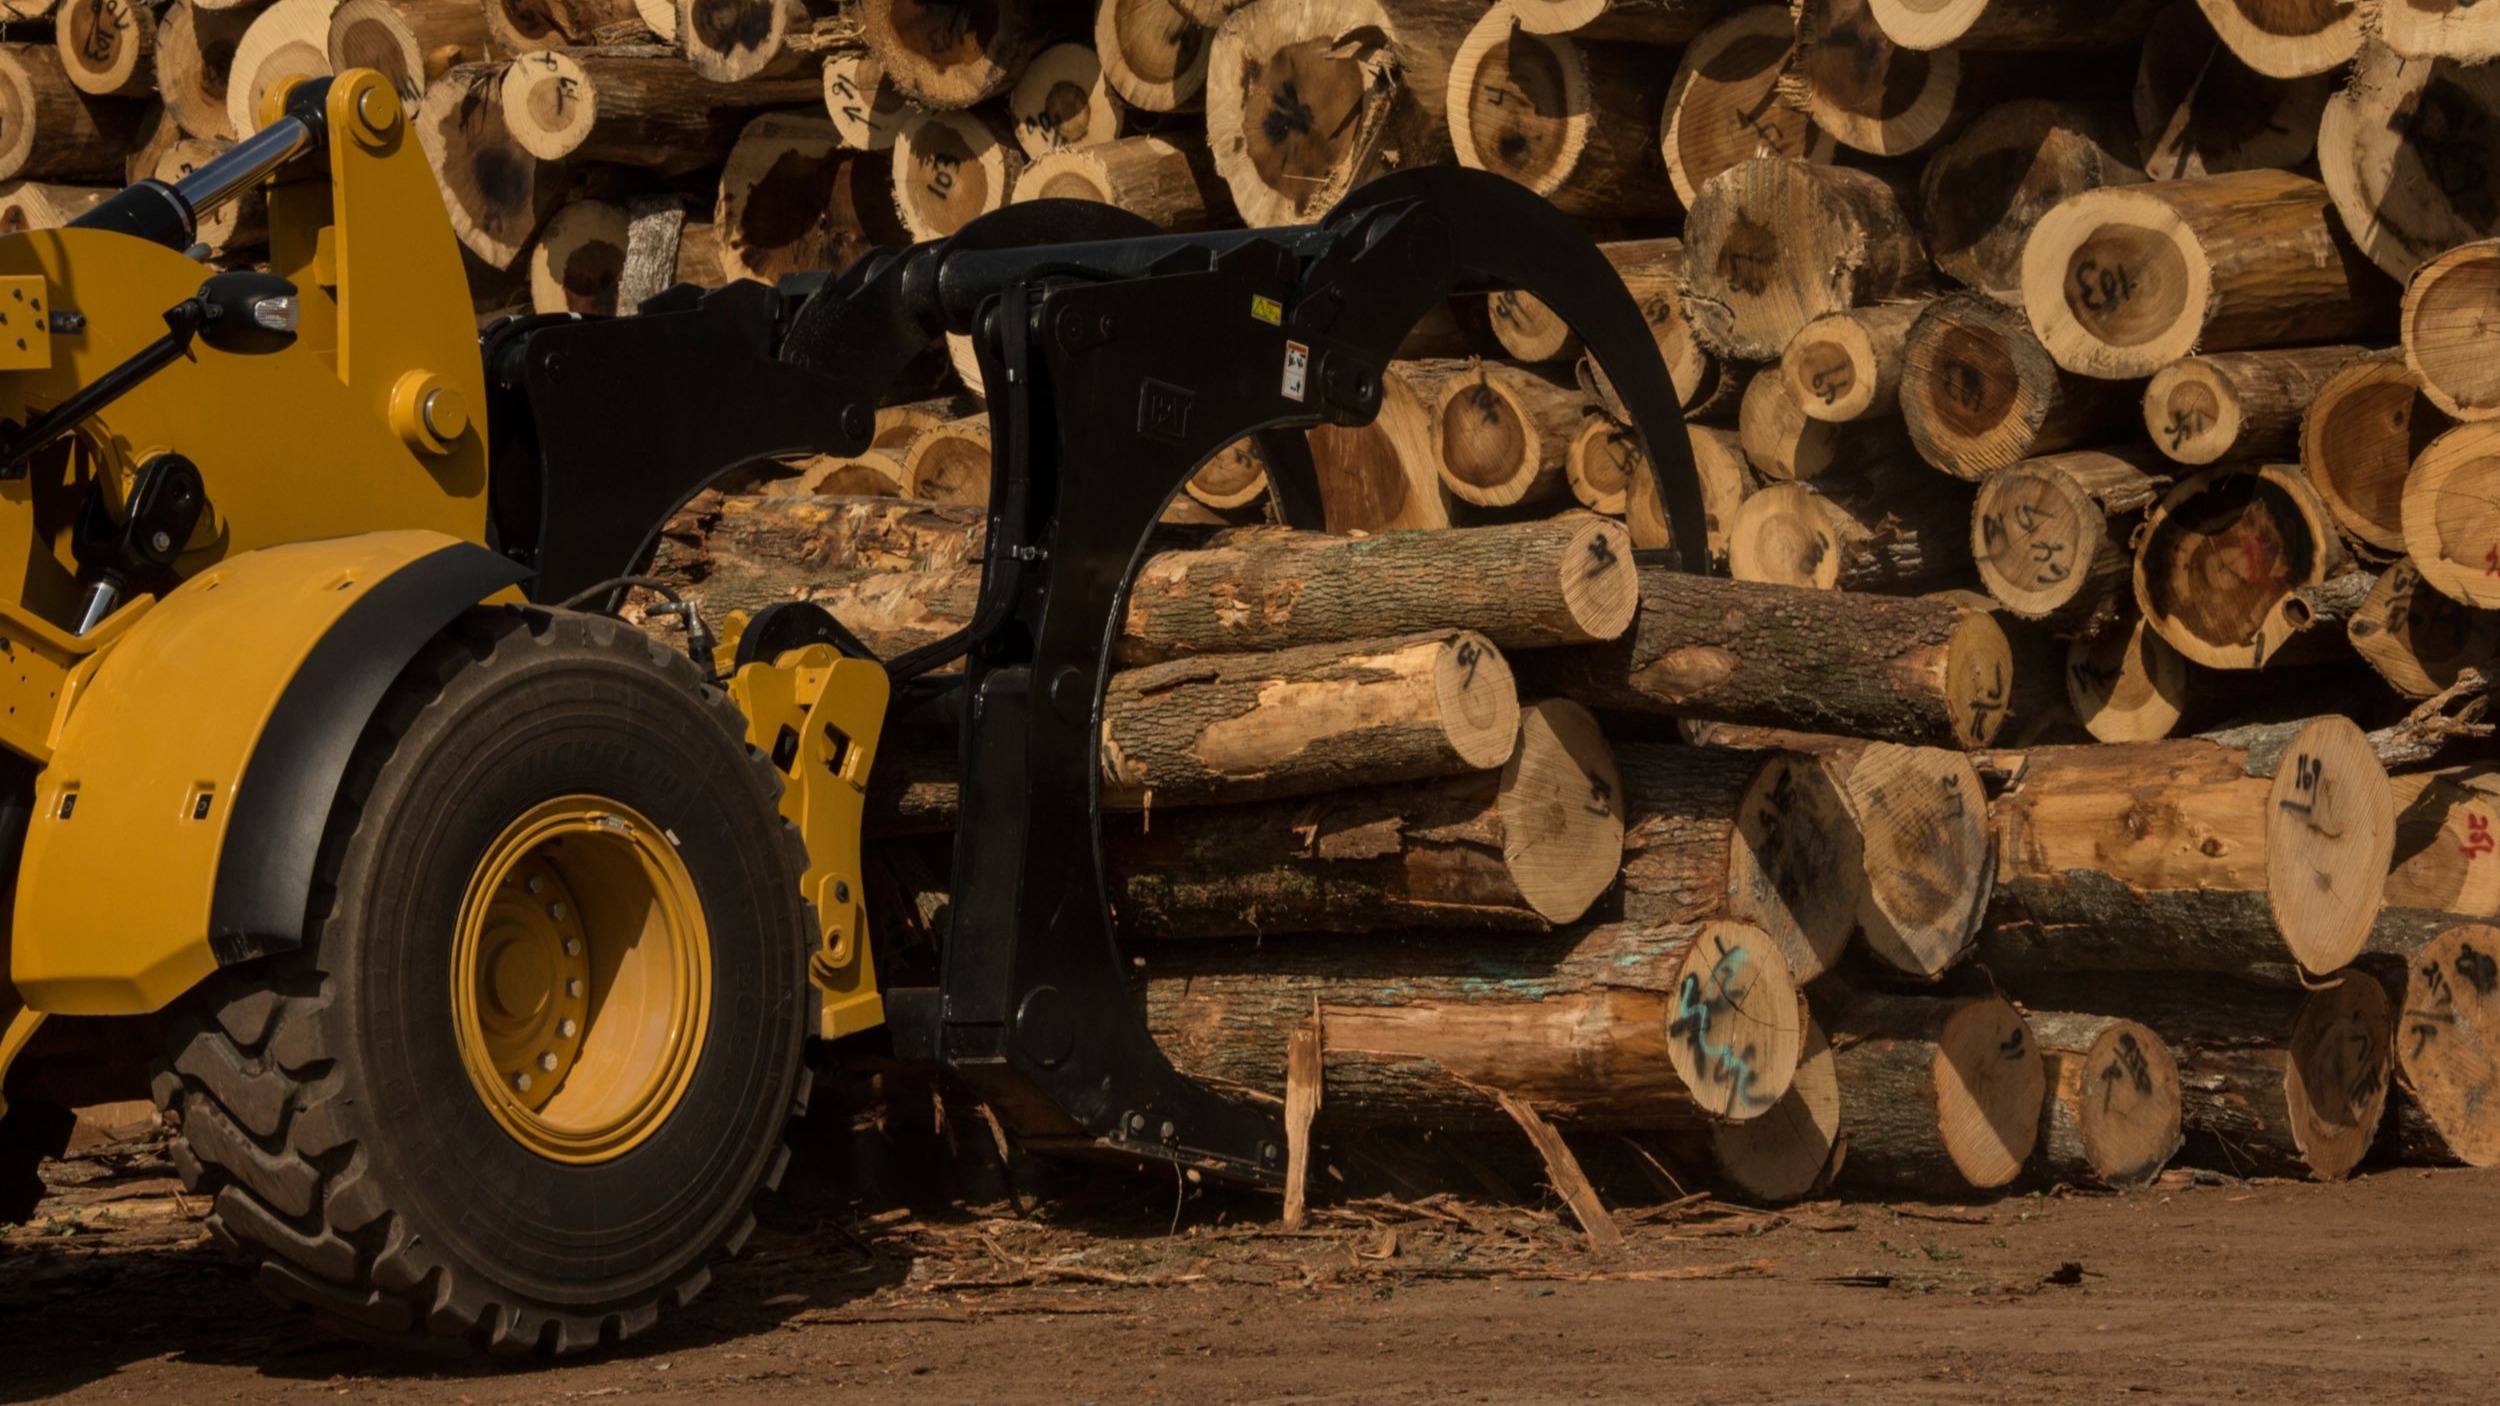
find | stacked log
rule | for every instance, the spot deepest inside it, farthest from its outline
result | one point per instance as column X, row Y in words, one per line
column 2052, row 371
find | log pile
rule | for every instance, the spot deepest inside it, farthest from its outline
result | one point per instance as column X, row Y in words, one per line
column 2096, row 414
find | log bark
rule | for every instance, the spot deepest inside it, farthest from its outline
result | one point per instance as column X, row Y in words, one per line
column 1728, row 105
column 1307, row 99
column 1846, row 366
column 1776, row 656
column 1502, row 433
column 949, row 168
column 2202, row 112
column 2119, row 282
column 2051, row 535
column 1529, row 847
column 1868, row 92
column 1891, row 527
column 953, row 54
column 1525, row 585
column 1786, row 1154
column 497, row 193
column 1172, row 184
column 2419, row 640
column 2175, row 856
column 2287, row 41
column 107, row 47
column 1061, row 102
column 527, row 26
column 1225, row 728
column 2446, row 305
column 2405, row 149
column 290, row 39
column 1619, row 1026
column 1384, row 475
column 1772, row 244
column 1569, row 118
column 2448, row 1039
column 2358, row 441
column 1979, row 391
column 793, row 198
column 2238, row 405
column 1153, row 54
column 2221, row 562
column 194, row 60
column 409, row 42
column 1982, row 192
column 640, row 106
column 1937, row 1096
column 49, row 130
column 2054, row 25
column 2111, row 1118
column 866, row 108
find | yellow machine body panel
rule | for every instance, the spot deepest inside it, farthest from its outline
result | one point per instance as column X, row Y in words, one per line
column 330, row 436
column 112, row 914
column 818, row 716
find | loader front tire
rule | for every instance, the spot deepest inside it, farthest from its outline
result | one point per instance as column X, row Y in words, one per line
column 519, row 1087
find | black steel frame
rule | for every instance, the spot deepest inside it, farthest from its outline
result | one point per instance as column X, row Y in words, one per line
column 1119, row 360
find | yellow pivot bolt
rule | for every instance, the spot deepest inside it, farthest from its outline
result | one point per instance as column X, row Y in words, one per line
column 427, row 414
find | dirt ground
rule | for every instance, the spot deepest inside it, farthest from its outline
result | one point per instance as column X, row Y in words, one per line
column 2202, row 1289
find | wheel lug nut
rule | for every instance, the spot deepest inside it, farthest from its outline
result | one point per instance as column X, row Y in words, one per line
column 573, row 987
column 521, row 1082
column 557, row 910
column 572, row 947
column 547, row 1061
column 568, row 1028
column 535, row 883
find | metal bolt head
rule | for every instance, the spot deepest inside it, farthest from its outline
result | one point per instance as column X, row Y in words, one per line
column 521, row 1082
column 162, row 541
column 569, row 1027
column 1169, row 1131
column 841, row 892
column 547, row 1061
column 572, row 947
column 573, row 988
column 557, row 910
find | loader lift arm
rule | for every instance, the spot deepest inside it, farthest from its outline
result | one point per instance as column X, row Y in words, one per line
column 1119, row 361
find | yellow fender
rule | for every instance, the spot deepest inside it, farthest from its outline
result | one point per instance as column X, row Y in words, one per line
column 195, row 762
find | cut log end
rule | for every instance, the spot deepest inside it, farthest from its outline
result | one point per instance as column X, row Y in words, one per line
column 1867, row 91
column 2452, row 518
column 1989, row 1085
column 2358, row 441
column 1153, row 53
column 1922, row 819
column 2112, row 1113
column 2330, row 837
column 1562, row 810
column 2223, row 553
column 2287, row 38
column 1735, row 1037
column 2445, row 325
column 1061, row 102
column 2419, row 640
column 951, row 54
column 950, row 168
column 867, row 110
column 2448, row 1039
column 1786, row 1153
column 2192, row 412
column 1795, row 868
column 2336, row 1078
column 2126, row 685
column 579, row 260
column 1773, row 244
column 1727, row 104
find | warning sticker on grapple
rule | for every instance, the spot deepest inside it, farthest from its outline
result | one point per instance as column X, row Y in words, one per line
column 1297, row 369
column 1267, row 310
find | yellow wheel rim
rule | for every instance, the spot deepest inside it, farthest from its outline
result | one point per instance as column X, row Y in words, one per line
column 581, row 979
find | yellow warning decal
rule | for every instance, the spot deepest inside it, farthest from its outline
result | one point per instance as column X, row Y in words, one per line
column 1267, row 310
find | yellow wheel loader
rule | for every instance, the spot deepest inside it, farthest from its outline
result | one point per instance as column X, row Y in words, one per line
column 471, row 939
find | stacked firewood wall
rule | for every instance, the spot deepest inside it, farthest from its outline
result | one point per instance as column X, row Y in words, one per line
column 2077, row 758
